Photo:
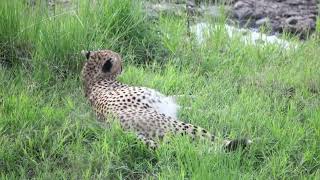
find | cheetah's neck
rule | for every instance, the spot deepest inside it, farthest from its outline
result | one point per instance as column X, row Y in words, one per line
column 108, row 83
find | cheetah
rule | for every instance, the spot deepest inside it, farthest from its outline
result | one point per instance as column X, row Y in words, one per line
column 144, row 111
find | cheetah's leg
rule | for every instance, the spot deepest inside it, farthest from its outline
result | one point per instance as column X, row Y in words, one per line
column 100, row 117
column 147, row 141
column 102, row 120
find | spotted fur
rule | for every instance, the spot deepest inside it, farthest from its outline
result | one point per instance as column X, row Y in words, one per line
column 147, row 112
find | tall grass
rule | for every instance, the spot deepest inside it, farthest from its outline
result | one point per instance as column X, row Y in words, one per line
column 11, row 41
column 53, row 38
column 47, row 129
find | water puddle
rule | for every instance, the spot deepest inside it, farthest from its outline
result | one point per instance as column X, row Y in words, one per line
column 250, row 37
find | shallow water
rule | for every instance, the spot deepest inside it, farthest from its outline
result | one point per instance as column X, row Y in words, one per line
column 203, row 30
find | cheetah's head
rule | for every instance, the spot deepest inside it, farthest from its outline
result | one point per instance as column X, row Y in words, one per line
column 100, row 65
column 104, row 64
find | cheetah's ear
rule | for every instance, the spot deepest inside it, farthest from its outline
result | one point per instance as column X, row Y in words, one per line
column 86, row 53
column 107, row 66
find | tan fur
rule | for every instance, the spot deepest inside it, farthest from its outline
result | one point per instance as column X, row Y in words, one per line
column 133, row 106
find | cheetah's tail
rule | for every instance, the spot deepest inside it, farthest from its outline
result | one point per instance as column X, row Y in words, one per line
column 198, row 132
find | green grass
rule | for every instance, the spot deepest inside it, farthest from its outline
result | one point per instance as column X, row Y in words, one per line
column 47, row 129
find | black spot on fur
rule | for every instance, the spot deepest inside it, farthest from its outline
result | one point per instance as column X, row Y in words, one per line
column 194, row 131
column 160, row 136
column 212, row 138
column 204, row 131
column 107, row 66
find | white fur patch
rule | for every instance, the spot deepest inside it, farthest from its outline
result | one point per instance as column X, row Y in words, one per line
column 162, row 103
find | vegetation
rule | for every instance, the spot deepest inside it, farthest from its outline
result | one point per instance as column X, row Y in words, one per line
column 47, row 128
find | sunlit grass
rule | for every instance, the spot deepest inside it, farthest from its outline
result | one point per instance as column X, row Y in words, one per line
column 47, row 128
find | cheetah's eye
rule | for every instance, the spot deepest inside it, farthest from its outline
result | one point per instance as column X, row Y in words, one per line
column 107, row 66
